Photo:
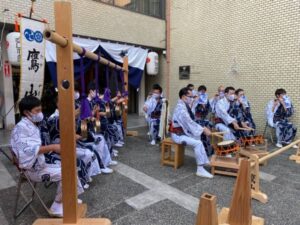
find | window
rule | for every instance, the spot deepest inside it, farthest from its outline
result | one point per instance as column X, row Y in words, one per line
column 155, row 8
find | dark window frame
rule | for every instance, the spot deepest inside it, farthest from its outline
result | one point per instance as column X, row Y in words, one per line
column 162, row 7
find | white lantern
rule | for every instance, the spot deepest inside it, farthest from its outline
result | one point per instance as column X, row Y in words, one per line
column 152, row 63
column 13, row 48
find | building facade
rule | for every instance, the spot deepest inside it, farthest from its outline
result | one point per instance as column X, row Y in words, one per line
column 253, row 45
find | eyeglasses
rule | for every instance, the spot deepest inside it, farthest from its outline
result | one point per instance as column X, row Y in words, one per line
column 189, row 96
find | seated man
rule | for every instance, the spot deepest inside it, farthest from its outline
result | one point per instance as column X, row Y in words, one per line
column 246, row 109
column 278, row 111
column 213, row 101
column 152, row 108
column 201, row 108
column 224, row 121
column 184, row 130
column 27, row 146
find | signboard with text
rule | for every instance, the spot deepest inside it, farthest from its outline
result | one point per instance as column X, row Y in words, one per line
column 32, row 58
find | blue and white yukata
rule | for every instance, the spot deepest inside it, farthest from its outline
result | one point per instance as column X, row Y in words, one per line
column 85, row 154
column 117, row 120
column 154, row 107
column 285, row 130
column 223, row 119
column 237, row 111
column 94, row 142
column 247, row 113
column 201, row 109
column 109, row 131
column 26, row 142
column 183, row 119
column 54, row 158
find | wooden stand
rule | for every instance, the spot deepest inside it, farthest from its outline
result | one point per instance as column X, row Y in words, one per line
column 207, row 211
column 296, row 157
column 73, row 213
column 224, row 165
column 240, row 212
column 175, row 159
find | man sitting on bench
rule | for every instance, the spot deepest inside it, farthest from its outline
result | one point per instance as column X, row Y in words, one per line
column 184, row 130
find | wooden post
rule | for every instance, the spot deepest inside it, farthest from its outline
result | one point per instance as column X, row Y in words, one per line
column 240, row 212
column 65, row 71
column 65, row 84
column 296, row 157
column 207, row 211
column 125, row 68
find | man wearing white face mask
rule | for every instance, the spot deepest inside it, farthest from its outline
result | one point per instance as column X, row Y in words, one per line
column 152, row 108
column 27, row 146
column 184, row 130
column 213, row 101
column 223, row 120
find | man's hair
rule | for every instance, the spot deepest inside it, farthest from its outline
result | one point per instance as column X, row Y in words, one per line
column 238, row 91
column 230, row 88
column 91, row 86
column 202, row 88
column 157, row 87
column 183, row 91
column 76, row 86
column 280, row 91
column 190, row 86
column 28, row 103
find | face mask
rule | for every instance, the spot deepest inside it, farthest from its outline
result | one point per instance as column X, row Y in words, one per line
column 203, row 97
column 189, row 101
column 231, row 97
column 76, row 95
column 221, row 94
column 93, row 94
column 37, row 117
column 154, row 95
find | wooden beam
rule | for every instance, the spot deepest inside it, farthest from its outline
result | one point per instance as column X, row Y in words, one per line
column 62, row 41
column 125, row 69
column 272, row 154
column 65, row 71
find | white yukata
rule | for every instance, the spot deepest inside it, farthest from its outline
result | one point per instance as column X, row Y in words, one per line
column 192, row 132
column 26, row 143
column 222, row 107
column 153, row 106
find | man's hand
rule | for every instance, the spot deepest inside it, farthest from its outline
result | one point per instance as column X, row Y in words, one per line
column 145, row 109
column 55, row 148
column 235, row 125
column 77, row 137
column 206, row 131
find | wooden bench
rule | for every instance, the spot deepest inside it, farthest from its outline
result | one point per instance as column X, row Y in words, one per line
column 172, row 154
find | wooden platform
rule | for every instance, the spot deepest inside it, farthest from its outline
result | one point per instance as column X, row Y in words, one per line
column 224, row 165
column 223, row 215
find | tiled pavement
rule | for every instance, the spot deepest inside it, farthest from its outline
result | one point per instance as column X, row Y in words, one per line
column 142, row 192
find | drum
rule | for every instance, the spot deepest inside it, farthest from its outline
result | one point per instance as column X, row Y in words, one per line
column 252, row 140
column 226, row 147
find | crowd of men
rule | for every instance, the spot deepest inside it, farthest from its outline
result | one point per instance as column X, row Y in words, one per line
column 228, row 111
column 35, row 139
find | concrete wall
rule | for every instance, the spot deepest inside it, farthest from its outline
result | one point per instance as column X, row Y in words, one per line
column 92, row 18
column 252, row 45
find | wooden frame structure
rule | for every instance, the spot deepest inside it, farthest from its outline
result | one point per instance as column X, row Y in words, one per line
column 74, row 213
column 231, row 166
column 240, row 212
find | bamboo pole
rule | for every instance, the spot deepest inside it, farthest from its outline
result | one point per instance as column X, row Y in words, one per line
column 56, row 38
column 262, row 159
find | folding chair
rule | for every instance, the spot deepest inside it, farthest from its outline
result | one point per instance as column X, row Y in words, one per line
column 269, row 131
column 23, row 178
